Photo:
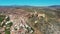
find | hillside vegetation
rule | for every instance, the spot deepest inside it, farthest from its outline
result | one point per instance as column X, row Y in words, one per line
column 43, row 20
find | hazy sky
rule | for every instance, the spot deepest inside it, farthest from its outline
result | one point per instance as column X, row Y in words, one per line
column 30, row 2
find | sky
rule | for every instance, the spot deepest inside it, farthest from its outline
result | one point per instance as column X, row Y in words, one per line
column 30, row 2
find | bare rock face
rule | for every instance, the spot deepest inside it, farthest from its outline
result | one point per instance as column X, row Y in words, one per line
column 51, row 29
column 51, row 26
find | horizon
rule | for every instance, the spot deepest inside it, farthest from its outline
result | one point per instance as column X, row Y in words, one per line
column 29, row 2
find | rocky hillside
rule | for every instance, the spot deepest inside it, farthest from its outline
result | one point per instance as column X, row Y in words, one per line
column 43, row 20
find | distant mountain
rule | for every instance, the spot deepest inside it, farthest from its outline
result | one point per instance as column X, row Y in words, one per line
column 55, row 6
column 27, row 6
column 16, row 6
